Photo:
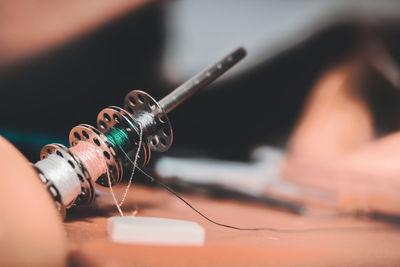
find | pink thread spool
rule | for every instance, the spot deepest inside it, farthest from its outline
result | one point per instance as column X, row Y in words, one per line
column 91, row 157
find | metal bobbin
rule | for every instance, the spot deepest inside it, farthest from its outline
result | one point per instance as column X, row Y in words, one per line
column 53, row 191
column 150, row 114
column 86, row 191
column 88, row 133
column 74, row 185
column 115, row 116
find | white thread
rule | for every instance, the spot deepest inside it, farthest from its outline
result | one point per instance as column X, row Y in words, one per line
column 90, row 155
column 112, row 192
column 134, row 164
column 62, row 175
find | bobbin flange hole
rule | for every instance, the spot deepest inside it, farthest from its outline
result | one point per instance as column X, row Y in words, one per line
column 88, row 133
column 121, row 118
column 136, row 102
column 87, row 191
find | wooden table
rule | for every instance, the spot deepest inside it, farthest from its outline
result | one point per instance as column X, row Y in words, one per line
column 366, row 242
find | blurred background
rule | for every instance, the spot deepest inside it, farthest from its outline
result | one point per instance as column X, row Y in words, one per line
column 62, row 62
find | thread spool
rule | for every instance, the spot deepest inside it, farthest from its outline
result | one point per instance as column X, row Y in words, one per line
column 93, row 160
column 87, row 133
column 119, row 139
column 143, row 111
column 62, row 176
column 134, row 164
column 91, row 157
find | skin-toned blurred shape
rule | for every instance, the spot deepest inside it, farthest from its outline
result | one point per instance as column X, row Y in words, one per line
column 334, row 145
column 335, row 119
column 31, row 232
column 29, row 27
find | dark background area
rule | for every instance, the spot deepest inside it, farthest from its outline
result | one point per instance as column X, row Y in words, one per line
column 50, row 94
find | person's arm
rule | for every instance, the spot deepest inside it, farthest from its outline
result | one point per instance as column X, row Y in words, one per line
column 31, row 231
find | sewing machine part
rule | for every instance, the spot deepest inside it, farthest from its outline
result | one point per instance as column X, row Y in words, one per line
column 121, row 133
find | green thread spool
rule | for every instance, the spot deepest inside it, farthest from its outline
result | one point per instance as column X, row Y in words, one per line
column 118, row 138
column 120, row 141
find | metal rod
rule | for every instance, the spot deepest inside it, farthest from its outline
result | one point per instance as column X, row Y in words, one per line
column 202, row 79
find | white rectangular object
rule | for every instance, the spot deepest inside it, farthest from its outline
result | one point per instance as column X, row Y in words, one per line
column 154, row 231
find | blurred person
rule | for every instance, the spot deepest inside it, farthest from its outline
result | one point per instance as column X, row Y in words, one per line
column 347, row 139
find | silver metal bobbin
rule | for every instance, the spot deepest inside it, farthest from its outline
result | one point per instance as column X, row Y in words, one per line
column 88, row 133
column 53, row 191
column 152, row 115
column 73, row 184
column 112, row 116
column 84, row 192
column 149, row 113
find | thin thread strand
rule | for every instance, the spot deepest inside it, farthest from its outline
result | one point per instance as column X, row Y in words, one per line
column 271, row 229
column 118, row 137
column 169, row 189
column 134, row 164
column 90, row 155
column 112, row 192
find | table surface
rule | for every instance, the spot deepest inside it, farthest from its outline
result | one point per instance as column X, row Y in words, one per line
column 327, row 239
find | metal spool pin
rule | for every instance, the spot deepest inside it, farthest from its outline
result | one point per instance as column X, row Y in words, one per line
column 88, row 133
column 142, row 110
column 152, row 115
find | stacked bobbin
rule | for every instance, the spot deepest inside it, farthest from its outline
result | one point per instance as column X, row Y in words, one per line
column 102, row 155
column 116, row 138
